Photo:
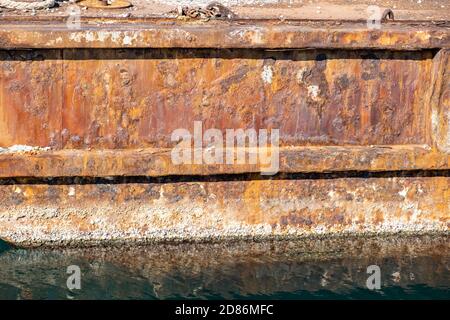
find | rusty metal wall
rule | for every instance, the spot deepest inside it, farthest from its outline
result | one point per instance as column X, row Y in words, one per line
column 103, row 103
column 345, row 110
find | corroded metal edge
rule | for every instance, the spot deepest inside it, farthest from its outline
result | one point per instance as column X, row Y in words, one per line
column 61, row 214
column 244, row 34
column 158, row 162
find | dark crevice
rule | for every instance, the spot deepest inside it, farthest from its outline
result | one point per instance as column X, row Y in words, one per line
column 308, row 54
column 222, row 177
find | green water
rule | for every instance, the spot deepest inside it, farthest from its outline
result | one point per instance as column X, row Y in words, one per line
column 411, row 268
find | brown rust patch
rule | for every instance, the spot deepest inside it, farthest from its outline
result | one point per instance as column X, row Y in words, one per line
column 30, row 98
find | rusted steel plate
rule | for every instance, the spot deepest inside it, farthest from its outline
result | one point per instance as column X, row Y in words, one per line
column 386, row 110
column 62, row 212
column 158, row 162
column 167, row 33
column 30, row 97
column 138, row 98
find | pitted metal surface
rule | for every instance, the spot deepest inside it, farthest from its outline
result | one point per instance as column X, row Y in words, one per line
column 86, row 117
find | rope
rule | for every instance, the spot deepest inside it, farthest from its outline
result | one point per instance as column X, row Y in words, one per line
column 38, row 5
column 213, row 10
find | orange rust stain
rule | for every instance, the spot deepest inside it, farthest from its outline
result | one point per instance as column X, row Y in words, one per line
column 252, row 197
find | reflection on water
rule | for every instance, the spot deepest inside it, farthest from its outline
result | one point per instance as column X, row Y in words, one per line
column 411, row 268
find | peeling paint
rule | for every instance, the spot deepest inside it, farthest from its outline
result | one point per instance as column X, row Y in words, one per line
column 403, row 193
column 22, row 148
column 313, row 92
column 435, row 121
column 127, row 40
column 267, row 74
